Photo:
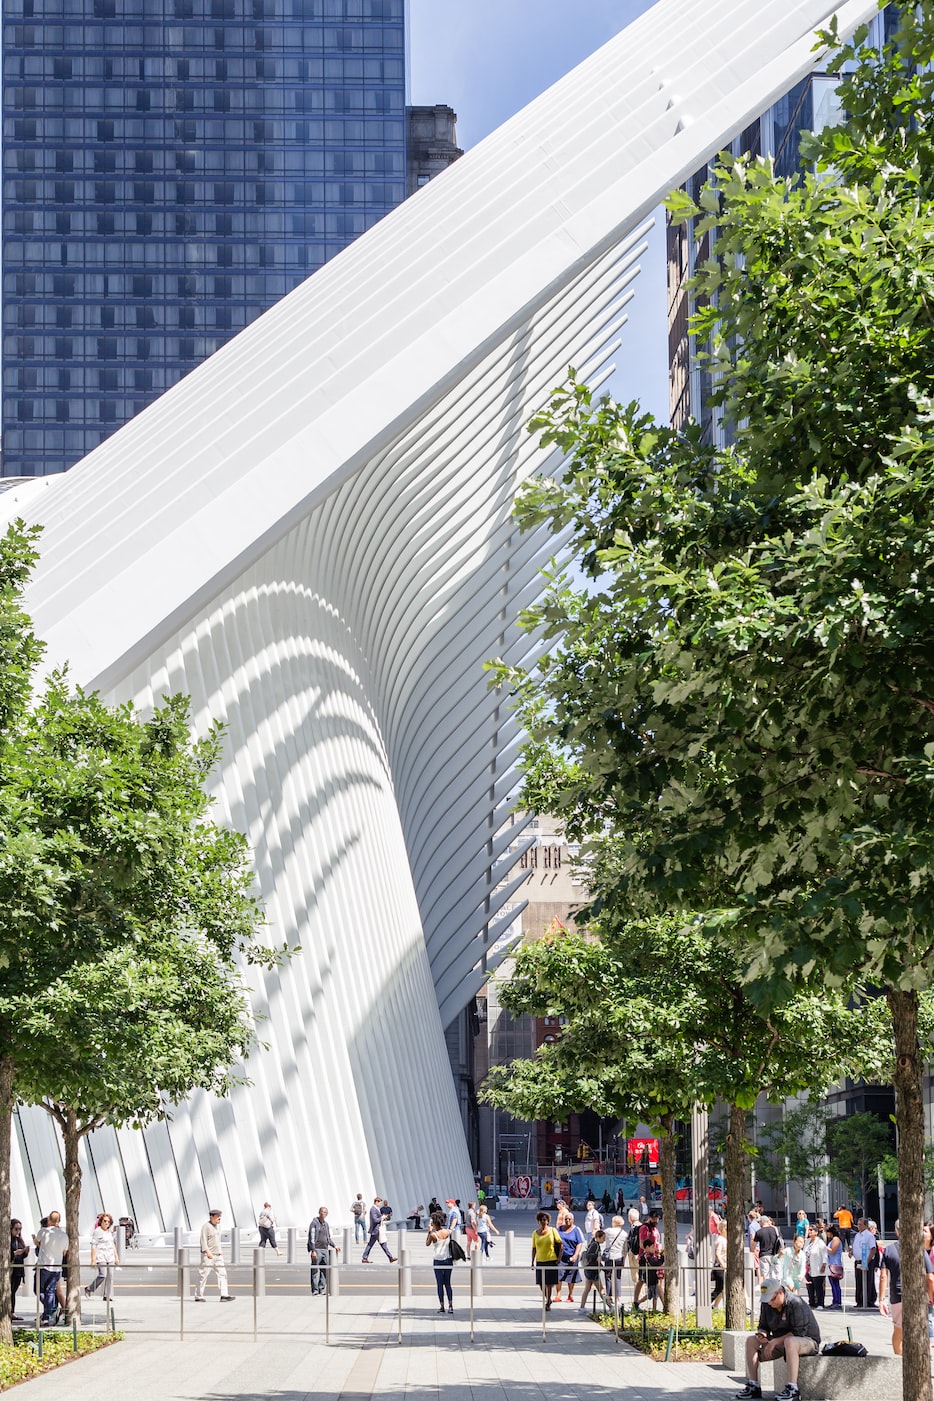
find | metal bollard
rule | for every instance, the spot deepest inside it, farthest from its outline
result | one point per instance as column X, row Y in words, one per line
column 476, row 1275
column 291, row 1246
column 405, row 1269
column 334, row 1274
column 176, row 1243
column 347, row 1242
column 510, row 1246
column 121, row 1241
column 185, row 1263
column 234, row 1246
column 259, row 1272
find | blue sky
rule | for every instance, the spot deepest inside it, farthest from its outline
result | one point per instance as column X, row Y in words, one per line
column 487, row 59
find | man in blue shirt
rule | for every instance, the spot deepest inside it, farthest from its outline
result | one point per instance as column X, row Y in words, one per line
column 863, row 1243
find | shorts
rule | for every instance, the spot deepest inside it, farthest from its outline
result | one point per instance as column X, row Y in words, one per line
column 591, row 1276
column 807, row 1347
column 896, row 1311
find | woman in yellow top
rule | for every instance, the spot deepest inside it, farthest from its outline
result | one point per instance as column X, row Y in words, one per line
column 546, row 1255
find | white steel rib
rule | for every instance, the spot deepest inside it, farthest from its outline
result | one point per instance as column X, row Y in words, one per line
column 311, row 535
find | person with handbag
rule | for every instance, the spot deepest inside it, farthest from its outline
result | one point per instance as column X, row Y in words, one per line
column 377, row 1236
column 590, row 1259
column 547, row 1249
column 440, row 1240
column 835, row 1268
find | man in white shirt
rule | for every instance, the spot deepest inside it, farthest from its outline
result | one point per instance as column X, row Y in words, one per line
column 51, row 1244
column 593, row 1221
column 212, row 1258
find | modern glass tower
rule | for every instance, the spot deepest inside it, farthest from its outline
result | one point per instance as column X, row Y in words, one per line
column 171, row 168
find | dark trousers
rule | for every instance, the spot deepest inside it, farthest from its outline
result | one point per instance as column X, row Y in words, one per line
column 375, row 1240
column 443, row 1284
column 817, row 1289
column 865, row 1288
column 47, row 1282
column 267, row 1236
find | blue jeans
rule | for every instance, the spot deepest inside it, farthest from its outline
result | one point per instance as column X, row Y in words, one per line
column 47, row 1282
column 359, row 1229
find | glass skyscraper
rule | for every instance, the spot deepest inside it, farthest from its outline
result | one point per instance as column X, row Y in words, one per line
column 171, row 169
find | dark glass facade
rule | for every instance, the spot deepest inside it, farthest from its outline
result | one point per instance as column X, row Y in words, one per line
column 171, row 168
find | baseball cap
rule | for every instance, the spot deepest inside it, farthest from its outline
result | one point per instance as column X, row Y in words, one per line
column 770, row 1289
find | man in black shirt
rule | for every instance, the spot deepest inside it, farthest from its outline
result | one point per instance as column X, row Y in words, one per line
column 890, row 1287
column 768, row 1249
column 788, row 1328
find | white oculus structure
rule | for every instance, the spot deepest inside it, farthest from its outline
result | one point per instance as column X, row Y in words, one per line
column 311, row 536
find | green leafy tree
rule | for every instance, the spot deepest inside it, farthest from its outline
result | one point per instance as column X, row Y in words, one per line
column 647, row 1042
column 112, row 879
column 795, row 1148
column 121, row 1038
column 857, row 1144
column 753, row 663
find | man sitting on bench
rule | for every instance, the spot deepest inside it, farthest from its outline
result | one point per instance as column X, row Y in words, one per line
column 788, row 1328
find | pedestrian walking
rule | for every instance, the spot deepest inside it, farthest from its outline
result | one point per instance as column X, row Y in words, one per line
column 614, row 1252
column 212, row 1258
column 590, row 1260
column 358, row 1212
column 104, row 1256
column 320, row 1244
column 51, row 1243
column 266, row 1222
column 546, row 1255
column 485, row 1229
column 593, row 1221
column 718, row 1268
column 377, row 1224
column 439, row 1240
column 572, row 1243
column 19, row 1251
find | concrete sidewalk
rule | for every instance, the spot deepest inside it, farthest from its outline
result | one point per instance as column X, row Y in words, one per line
column 508, row 1361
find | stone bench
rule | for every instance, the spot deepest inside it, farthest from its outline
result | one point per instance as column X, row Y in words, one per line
column 823, row 1378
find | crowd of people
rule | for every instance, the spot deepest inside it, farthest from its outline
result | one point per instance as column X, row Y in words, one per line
column 812, row 1259
column 51, row 1245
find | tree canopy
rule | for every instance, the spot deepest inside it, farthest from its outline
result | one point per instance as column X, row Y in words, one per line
column 744, row 688
column 658, row 1020
column 124, row 909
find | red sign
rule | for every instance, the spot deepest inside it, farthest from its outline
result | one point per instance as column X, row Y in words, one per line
column 642, row 1154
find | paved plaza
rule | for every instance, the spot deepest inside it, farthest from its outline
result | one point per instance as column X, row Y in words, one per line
column 507, row 1361
column 361, row 1345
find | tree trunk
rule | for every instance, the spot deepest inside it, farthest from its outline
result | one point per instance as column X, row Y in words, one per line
column 72, row 1138
column 734, row 1166
column 6, row 1206
column 909, row 1116
column 669, row 1214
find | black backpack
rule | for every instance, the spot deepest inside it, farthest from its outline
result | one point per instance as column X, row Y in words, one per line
column 844, row 1350
column 633, row 1239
